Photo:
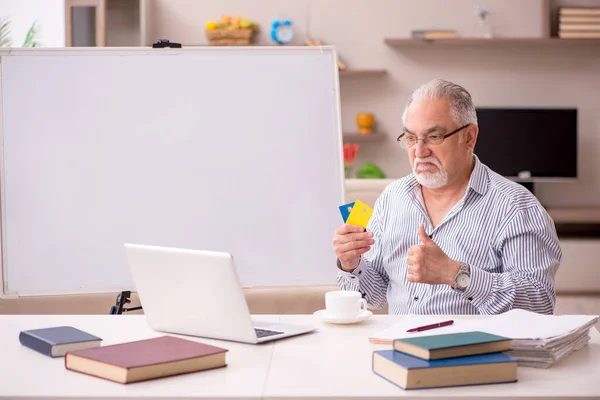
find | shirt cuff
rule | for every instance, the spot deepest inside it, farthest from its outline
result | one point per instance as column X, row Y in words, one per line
column 480, row 286
column 357, row 271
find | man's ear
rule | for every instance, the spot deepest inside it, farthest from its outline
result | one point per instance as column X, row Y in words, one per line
column 470, row 136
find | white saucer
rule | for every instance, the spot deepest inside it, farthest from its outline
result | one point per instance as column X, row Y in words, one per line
column 323, row 316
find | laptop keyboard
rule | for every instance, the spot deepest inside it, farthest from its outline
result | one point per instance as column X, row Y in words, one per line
column 260, row 333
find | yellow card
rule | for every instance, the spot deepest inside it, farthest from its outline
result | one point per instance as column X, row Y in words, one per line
column 360, row 214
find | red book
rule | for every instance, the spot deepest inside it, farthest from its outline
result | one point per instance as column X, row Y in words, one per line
column 146, row 359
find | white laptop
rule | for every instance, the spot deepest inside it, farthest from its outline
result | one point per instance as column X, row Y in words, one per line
column 197, row 293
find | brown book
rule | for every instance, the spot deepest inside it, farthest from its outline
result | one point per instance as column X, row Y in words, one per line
column 579, row 11
column 146, row 359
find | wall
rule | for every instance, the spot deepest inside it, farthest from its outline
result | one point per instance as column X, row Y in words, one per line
column 50, row 15
column 496, row 76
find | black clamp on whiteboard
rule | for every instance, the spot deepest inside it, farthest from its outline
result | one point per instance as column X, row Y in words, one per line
column 122, row 299
column 162, row 43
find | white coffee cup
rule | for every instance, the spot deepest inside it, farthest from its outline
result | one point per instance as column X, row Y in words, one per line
column 344, row 303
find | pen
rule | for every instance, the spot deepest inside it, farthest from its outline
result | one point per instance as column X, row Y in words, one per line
column 432, row 326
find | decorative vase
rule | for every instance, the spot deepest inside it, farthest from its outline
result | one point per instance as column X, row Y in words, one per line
column 365, row 122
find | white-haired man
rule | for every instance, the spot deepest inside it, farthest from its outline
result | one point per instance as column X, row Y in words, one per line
column 453, row 237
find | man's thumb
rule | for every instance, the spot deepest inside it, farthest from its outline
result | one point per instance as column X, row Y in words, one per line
column 423, row 236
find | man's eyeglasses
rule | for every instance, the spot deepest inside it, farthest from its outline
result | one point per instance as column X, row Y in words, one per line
column 407, row 140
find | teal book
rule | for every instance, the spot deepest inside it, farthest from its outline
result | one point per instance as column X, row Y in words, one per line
column 449, row 345
column 409, row 372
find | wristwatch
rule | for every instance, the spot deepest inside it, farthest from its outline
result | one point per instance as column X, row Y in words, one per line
column 463, row 277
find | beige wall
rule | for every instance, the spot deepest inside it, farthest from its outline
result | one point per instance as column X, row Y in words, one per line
column 496, row 76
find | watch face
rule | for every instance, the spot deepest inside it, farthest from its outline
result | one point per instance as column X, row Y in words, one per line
column 463, row 280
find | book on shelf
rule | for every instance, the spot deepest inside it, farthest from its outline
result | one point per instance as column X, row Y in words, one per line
column 579, row 35
column 146, row 359
column 410, row 372
column 579, row 27
column 578, row 11
column 592, row 19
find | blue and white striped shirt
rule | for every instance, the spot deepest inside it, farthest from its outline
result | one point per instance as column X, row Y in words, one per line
column 499, row 228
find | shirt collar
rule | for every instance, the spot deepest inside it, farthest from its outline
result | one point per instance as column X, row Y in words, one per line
column 479, row 177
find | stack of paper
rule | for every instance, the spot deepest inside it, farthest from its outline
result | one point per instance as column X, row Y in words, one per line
column 540, row 340
column 537, row 340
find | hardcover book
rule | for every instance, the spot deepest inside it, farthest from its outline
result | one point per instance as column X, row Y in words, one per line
column 409, row 372
column 146, row 359
column 452, row 345
column 58, row 340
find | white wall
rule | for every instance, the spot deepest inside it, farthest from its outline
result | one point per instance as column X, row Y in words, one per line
column 535, row 76
column 50, row 15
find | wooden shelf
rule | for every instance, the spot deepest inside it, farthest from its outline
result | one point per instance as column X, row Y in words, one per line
column 477, row 42
column 362, row 73
column 359, row 137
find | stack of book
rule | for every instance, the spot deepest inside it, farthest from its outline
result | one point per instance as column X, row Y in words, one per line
column 579, row 23
column 453, row 359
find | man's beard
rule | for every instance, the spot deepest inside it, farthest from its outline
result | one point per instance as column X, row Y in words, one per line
column 432, row 180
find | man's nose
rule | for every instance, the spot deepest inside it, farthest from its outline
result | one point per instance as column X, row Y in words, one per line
column 421, row 149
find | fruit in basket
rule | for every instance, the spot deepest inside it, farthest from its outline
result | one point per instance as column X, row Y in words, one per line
column 228, row 22
column 246, row 23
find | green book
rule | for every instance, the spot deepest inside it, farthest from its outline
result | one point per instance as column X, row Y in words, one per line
column 450, row 345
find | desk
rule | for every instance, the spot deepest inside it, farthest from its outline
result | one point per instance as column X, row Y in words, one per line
column 332, row 363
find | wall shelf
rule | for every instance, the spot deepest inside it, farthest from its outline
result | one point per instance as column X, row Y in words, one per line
column 499, row 42
column 359, row 137
column 358, row 73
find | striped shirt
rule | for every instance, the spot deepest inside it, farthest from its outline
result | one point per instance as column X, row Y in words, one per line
column 499, row 228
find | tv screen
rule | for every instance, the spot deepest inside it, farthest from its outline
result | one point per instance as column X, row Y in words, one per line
column 528, row 144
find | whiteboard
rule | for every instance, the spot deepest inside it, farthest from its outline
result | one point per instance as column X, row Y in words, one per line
column 224, row 149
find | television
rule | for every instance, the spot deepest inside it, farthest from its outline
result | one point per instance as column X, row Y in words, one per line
column 529, row 145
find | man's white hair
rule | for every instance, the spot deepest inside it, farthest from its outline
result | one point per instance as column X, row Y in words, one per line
column 461, row 105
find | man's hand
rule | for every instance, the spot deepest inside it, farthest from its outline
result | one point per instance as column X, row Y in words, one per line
column 427, row 263
column 349, row 243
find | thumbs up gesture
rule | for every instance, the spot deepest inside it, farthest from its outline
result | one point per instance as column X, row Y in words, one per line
column 427, row 263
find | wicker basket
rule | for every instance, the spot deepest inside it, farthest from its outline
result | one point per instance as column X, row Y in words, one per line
column 230, row 37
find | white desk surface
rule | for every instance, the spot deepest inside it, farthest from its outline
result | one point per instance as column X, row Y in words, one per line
column 332, row 363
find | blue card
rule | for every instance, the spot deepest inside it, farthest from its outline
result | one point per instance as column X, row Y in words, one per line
column 346, row 209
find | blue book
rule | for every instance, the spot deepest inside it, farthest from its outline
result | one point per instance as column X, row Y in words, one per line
column 409, row 372
column 57, row 341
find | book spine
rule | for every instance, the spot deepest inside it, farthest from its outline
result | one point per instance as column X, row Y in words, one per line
column 36, row 344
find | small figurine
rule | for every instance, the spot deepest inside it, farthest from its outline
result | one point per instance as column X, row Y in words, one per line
column 482, row 16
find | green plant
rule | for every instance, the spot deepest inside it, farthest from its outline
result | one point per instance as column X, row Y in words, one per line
column 32, row 36
column 370, row 171
column 31, row 39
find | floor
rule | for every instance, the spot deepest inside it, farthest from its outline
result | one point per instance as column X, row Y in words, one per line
column 589, row 305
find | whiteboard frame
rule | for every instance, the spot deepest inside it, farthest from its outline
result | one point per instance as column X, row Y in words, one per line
column 5, row 293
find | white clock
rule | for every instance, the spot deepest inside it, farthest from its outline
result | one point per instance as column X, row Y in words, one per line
column 282, row 31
